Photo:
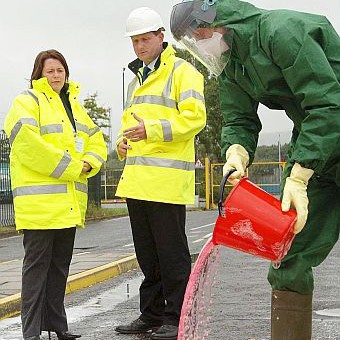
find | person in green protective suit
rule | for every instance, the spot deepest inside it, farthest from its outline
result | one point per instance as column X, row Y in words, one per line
column 288, row 61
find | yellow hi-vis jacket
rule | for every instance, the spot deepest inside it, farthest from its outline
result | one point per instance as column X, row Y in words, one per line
column 171, row 104
column 47, row 157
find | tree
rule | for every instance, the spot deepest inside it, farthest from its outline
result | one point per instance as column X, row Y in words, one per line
column 266, row 153
column 100, row 115
column 207, row 142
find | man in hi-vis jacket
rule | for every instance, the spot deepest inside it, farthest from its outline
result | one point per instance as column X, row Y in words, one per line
column 163, row 113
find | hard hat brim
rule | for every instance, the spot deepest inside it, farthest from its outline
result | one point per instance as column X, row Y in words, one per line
column 144, row 30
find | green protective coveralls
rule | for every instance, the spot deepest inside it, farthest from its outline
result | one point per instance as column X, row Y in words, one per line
column 288, row 61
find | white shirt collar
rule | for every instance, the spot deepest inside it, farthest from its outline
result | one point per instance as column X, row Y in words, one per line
column 151, row 65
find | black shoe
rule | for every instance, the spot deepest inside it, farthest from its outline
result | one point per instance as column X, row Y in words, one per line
column 165, row 332
column 137, row 326
column 36, row 337
column 67, row 335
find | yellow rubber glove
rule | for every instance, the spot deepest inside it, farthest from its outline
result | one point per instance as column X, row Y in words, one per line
column 237, row 158
column 295, row 193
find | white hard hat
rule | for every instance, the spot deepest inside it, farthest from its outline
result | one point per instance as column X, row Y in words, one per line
column 142, row 20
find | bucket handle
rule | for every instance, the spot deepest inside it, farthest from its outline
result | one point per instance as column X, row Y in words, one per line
column 222, row 185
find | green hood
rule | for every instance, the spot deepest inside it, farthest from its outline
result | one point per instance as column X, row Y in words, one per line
column 232, row 12
column 243, row 18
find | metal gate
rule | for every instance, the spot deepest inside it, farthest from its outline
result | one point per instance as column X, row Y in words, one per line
column 6, row 198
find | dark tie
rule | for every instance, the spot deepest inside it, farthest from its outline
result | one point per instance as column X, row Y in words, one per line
column 146, row 71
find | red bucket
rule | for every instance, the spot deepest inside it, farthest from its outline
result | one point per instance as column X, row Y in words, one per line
column 251, row 220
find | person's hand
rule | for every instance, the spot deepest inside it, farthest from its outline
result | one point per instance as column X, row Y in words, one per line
column 136, row 133
column 237, row 158
column 86, row 167
column 295, row 193
column 122, row 148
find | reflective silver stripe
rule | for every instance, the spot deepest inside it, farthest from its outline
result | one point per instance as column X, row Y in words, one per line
column 83, row 128
column 101, row 160
column 179, row 63
column 119, row 136
column 132, row 86
column 81, row 187
column 167, row 88
column 32, row 95
column 161, row 162
column 167, row 131
column 62, row 166
column 19, row 124
column 157, row 100
column 94, row 130
column 86, row 129
column 168, row 85
column 40, row 190
column 51, row 128
column 191, row 94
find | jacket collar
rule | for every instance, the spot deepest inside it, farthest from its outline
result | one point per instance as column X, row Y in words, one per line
column 43, row 86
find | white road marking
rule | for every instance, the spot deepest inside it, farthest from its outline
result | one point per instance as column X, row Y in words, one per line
column 203, row 226
column 203, row 239
column 84, row 252
column 329, row 312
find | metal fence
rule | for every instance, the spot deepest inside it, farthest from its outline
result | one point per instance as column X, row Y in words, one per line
column 266, row 175
column 6, row 198
column 110, row 179
column 94, row 189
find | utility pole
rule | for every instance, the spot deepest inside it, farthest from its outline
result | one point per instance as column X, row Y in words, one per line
column 110, row 132
column 279, row 147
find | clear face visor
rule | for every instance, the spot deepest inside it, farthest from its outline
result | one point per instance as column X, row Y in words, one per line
column 212, row 48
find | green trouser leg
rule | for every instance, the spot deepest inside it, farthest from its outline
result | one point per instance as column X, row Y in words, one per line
column 291, row 316
column 313, row 244
column 293, row 282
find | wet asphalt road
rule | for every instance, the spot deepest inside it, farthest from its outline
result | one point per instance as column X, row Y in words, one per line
column 240, row 297
column 240, row 302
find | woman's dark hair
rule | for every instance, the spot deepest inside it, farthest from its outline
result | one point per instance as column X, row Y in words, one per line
column 40, row 60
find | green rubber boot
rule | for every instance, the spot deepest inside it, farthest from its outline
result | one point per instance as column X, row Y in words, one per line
column 291, row 316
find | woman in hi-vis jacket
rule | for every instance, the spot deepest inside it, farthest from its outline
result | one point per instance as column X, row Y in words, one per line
column 55, row 147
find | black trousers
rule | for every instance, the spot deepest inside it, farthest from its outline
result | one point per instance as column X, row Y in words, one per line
column 162, row 252
column 48, row 255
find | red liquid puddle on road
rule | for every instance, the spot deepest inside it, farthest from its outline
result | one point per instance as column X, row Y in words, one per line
column 195, row 312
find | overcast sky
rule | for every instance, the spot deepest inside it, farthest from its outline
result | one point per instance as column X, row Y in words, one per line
column 90, row 34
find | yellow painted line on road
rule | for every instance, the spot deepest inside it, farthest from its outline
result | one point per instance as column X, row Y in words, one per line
column 10, row 306
column 102, row 273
